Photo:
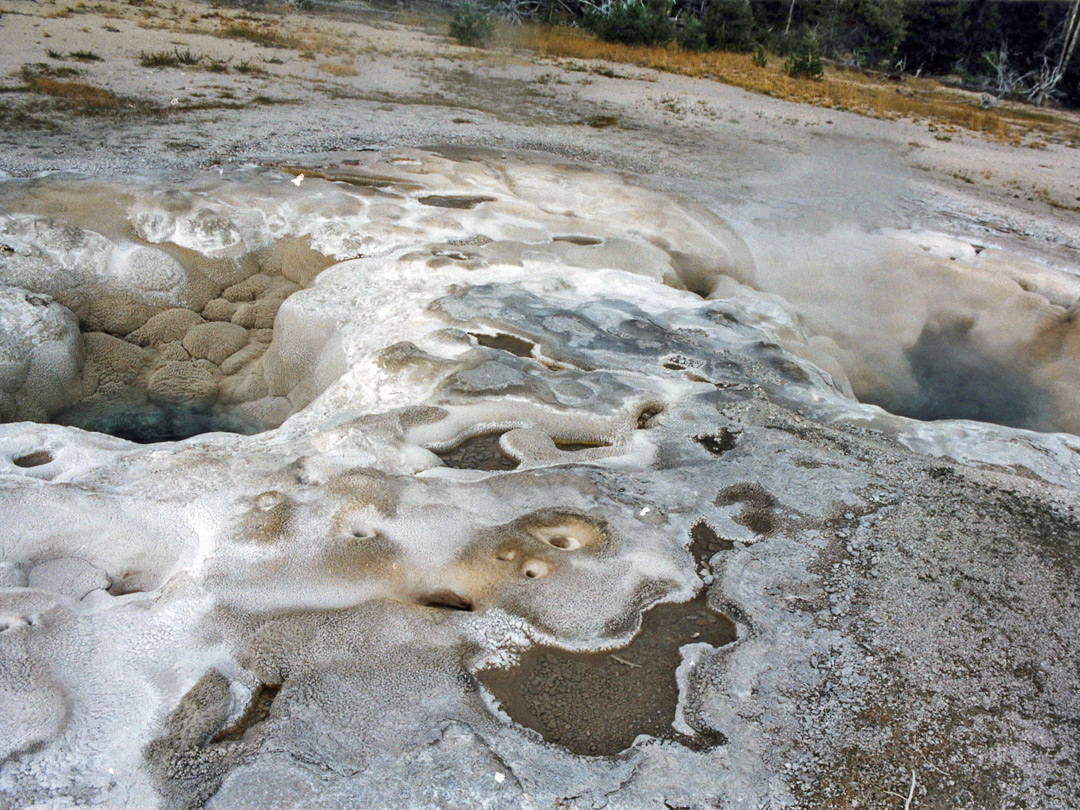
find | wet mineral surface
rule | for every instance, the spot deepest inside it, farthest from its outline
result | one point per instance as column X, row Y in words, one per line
column 598, row 703
column 549, row 506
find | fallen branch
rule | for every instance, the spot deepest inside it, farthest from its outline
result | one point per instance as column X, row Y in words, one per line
column 911, row 793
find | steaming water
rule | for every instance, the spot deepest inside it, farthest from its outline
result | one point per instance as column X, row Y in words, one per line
column 931, row 326
column 956, row 381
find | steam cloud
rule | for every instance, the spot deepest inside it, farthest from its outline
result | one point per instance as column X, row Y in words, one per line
column 930, row 326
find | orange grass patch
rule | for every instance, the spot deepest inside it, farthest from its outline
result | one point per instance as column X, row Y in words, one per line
column 335, row 69
column 76, row 93
column 920, row 99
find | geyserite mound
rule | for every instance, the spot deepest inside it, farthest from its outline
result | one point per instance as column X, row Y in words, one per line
column 506, row 404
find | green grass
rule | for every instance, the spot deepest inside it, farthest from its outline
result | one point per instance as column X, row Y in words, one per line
column 162, row 59
column 16, row 119
column 187, row 57
column 159, row 59
column 249, row 69
column 267, row 37
column 36, row 69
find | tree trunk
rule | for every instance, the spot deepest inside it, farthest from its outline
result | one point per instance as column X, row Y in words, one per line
column 1050, row 79
column 1068, row 45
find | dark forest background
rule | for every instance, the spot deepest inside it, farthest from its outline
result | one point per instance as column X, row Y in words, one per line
column 1024, row 49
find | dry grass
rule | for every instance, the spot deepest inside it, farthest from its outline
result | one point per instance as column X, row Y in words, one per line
column 1047, row 196
column 335, row 69
column 267, row 36
column 73, row 94
column 50, row 71
column 77, row 8
column 918, row 99
column 431, row 23
column 270, row 35
column 56, row 92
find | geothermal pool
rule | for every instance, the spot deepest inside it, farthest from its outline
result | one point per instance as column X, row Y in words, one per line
column 471, row 443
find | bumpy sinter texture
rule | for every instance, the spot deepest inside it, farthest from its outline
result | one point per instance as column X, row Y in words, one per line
column 522, row 404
